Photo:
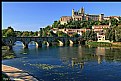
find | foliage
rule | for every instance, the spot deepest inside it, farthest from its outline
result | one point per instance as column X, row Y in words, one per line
column 75, row 35
column 89, row 35
column 114, row 22
column 96, row 44
column 114, row 33
column 61, row 34
column 53, row 34
column 79, row 24
column 9, row 32
column 55, row 24
column 25, row 34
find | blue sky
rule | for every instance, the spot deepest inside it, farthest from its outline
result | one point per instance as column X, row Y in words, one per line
column 30, row 16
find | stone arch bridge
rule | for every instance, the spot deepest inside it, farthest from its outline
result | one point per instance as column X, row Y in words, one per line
column 9, row 41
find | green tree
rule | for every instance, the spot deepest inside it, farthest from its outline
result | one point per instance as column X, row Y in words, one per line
column 18, row 33
column 31, row 33
column 9, row 32
column 75, row 35
column 56, row 24
column 61, row 34
column 89, row 35
column 25, row 34
column 114, row 22
column 3, row 32
column 53, row 34
column 114, row 33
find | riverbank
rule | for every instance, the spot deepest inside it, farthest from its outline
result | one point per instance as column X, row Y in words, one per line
column 6, row 53
column 96, row 44
column 16, row 74
column 103, row 44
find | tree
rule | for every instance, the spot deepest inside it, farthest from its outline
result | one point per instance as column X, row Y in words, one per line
column 31, row 33
column 3, row 32
column 114, row 22
column 9, row 32
column 52, row 34
column 89, row 35
column 56, row 24
column 114, row 33
column 35, row 33
column 61, row 34
column 18, row 33
column 25, row 34
column 75, row 35
column 104, row 22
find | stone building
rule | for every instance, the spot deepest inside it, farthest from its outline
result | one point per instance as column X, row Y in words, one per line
column 65, row 19
column 81, row 15
column 109, row 17
column 98, row 28
column 70, row 32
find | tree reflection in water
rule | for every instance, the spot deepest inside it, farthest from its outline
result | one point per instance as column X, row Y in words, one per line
column 100, row 54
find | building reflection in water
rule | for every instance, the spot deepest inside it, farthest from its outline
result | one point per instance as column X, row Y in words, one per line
column 76, row 61
column 100, row 52
column 80, row 55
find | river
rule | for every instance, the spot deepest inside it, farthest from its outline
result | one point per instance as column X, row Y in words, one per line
column 68, row 63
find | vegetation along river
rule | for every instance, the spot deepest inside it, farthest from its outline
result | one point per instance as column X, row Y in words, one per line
column 68, row 63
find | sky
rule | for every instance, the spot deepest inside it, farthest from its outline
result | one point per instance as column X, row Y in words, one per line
column 31, row 16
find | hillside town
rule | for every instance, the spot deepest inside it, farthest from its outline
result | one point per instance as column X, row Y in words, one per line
column 80, row 15
column 95, row 27
column 40, row 43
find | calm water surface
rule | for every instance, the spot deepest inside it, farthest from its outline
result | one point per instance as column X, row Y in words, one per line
column 76, row 63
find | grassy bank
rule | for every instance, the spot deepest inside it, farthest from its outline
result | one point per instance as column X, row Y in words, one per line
column 6, row 53
column 116, row 44
column 101, row 44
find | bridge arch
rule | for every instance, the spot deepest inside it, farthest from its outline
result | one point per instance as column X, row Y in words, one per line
column 33, row 43
column 59, row 42
column 45, row 43
column 18, row 43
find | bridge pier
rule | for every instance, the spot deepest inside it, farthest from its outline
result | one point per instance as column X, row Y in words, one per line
column 10, row 47
column 79, row 42
column 61, row 43
column 39, row 45
column 25, row 45
column 71, row 43
column 50, row 44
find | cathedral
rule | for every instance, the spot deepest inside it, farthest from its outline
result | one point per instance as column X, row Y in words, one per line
column 81, row 15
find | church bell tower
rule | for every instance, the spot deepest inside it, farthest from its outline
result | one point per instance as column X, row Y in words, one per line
column 82, row 10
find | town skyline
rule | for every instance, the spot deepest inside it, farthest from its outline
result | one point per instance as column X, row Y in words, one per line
column 31, row 16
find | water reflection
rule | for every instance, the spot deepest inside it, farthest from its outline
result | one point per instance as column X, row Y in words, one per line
column 100, row 52
column 76, row 62
column 80, row 55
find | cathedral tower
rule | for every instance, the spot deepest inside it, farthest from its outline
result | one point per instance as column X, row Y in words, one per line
column 72, row 13
column 82, row 10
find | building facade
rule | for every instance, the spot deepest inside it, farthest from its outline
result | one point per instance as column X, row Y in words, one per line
column 109, row 17
column 70, row 32
column 65, row 19
column 81, row 15
column 98, row 28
